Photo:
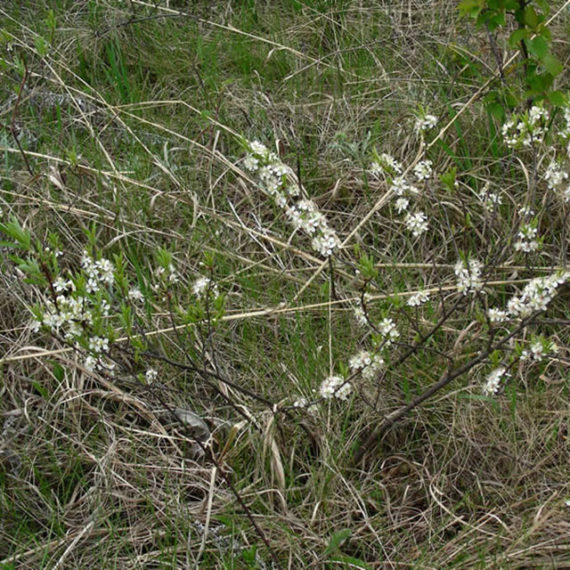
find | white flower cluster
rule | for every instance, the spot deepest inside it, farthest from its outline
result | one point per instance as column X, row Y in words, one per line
column 135, row 295
column 169, row 275
column 366, row 363
column 386, row 163
column 402, row 205
column 98, row 272
column 416, row 223
column 536, row 295
column 527, row 241
column 522, row 131
column 388, row 330
column 400, row 187
column 539, row 349
column 526, row 212
column 75, row 309
column 469, row 276
column 98, row 344
column 66, row 317
column 203, row 286
column 493, row 381
column 277, row 180
column 335, row 386
column 151, row 375
column 564, row 132
column 425, row 123
column 423, row 170
column 360, row 316
column 418, row 299
column 557, row 180
column 497, row 315
column 491, row 200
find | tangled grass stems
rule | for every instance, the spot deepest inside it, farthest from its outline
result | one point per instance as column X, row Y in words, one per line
column 194, row 389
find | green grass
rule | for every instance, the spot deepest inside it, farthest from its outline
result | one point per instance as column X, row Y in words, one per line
column 129, row 126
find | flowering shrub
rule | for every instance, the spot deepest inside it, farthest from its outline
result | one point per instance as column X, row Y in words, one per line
column 344, row 219
column 523, row 131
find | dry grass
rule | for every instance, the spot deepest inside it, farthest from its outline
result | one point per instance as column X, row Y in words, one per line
column 128, row 121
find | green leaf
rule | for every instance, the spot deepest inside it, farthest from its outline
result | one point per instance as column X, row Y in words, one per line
column 448, row 179
column 470, row 8
column 337, row 540
column 530, row 17
column 496, row 20
column 496, row 110
column 557, row 98
column 42, row 46
column 511, row 101
column 538, row 46
column 58, row 371
column 552, row 64
column 545, row 32
column 41, row 390
column 517, row 36
column 14, row 230
column 367, row 267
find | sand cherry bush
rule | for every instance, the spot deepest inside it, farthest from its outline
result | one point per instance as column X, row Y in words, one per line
column 531, row 137
column 87, row 305
column 292, row 284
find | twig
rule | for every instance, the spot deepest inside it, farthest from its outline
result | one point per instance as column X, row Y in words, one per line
column 392, row 418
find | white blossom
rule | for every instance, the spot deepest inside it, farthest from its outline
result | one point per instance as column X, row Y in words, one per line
column 526, row 212
column 491, row 200
column 60, row 285
column 416, row 223
column 151, row 375
column 402, row 205
column 386, row 163
column 526, row 246
column 375, row 168
column 335, row 386
column 423, row 169
column 98, row 344
column 360, row 316
column 493, row 380
column 418, row 299
column 469, row 278
column 522, row 131
column 251, row 163
column 554, row 175
column 90, row 363
column 359, row 361
column 388, row 330
column 326, row 243
column 536, row 295
column 389, row 161
column 497, row 315
column 366, row 363
column 204, row 285
column 258, row 148
column 399, row 186
column 293, row 190
column 426, row 123
column 136, row 295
